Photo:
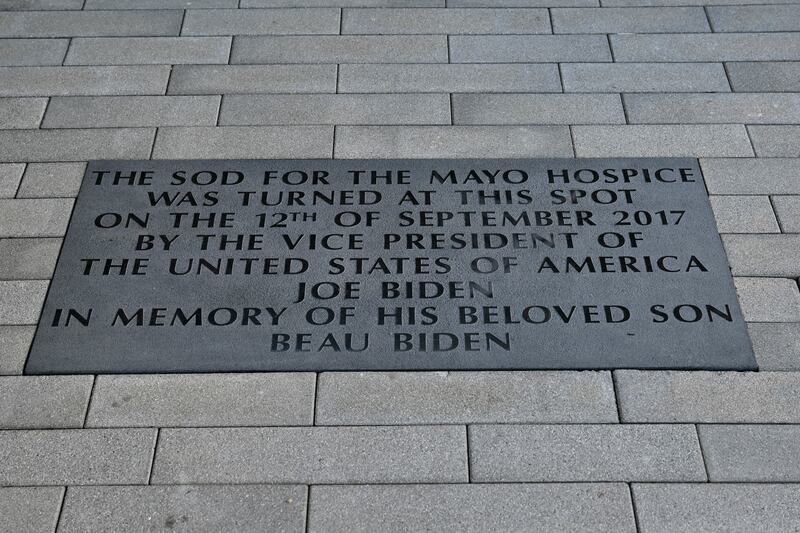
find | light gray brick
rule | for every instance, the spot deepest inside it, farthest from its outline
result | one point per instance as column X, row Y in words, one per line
column 28, row 258
column 755, row 18
column 43, row 401
column 258, row 142
column 787, row 208
column 30, row 509
column 148, row 50
column 768, row 299
column 20, row 113
column 35, row 5
column 261, row 21
column 768, row 76
column 461, row 78
column 282, row 399
column 735, row 108
column 723, row 140
column 610, row 452
column 713, row 397
column 75, row 145
column 10, row 176
column 777, row 346
column 751, row 452
column 751, row 176
column 51, row 180
column 342, row 3
column 386, row 398
column 341, row 49
column 76, row 456
column 707, row 47
column 744, row 214
column 90, row 23
column 197, row 508
column 471, row 508
column 20, row 52
column 452, row 141
column 406, row 454
column 630, row 20
column 644, row 77
column 775, row 141
column 528, row 48
column 537, row 109
column 14, row 344
column 231, row 79
column 708, row 508
column 34, row 218
column 336, row 109
column 450, row 21
column 64, row 81
column 131, row 111
column 523, row 3
column 21, row 301
column 763, row 255
column 623, row 3
column 159, row 4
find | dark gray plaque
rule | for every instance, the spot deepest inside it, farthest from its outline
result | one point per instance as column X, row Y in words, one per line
column 181, row 266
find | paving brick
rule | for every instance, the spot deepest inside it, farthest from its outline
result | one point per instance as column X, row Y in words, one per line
column 283, row 399
column 75, row 145
column 387, row 398
column 244, row 142
column 63, row 81
column 25, row 5
column 244, row 508
column 707, row 508
column 768, row 76
column 148, row 50
column 608, row 452
column 10, row 176
column 450, row 21
column 342, row 3
column 763, row 255
column 159, row 4
column 755, row 18
column 610, row 3
column 51, row 180
column 261, row 21
column 736, row 108
column 76, row 456
column 407, row 454
column 768, row 299
column 336, row 109
column 723, row 140
column 644, row 77
column 537, row 109
column 20, row 113
column 738, row 397
column 90, row 23
column 43, row 401
column 528, row 48
column 131, row 111
column 629, row 20
column 461, row 78
column 230, row 79
column 21, row 301
column 744, row 214
column 751, row 452
column 751, row 176
column 707, row 47
column 14, row 344
column 775, row 141
column 34, row 218
column 787, row 209
column 341, row 49
column 471, row 508
column 30, row 509
column 523, row 3
column 777, row 346
column 19, row 52
column 28, row 258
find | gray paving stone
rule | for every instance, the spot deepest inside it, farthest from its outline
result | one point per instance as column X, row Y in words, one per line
column 630, row 20
column 231, row 79
column 148, row 50
column 336, row 109
column 623, row 3
column 10, row 176
column 21, row 302
column 387, row 398
column 76, row 456
column 777, row 346
column 471, row 508
column 763, row 255
column 159, row 4
column 755, row 18
column 282, row 399
column 342, row 3
column 404, row 454
column 528, row 48
column 23, row 5
column 90, row 23
column 34, row 218
column 461, row 78
column 523, row 3
column 257, row 142
column 43, row 401
column 537, row 109
column 75, row 145
column 14, row 344
column 131, row 111
column 751, row 176
column 450, row 21
column 751, row 452
column 261, row 21
column 744, row 214
column 644, row 77
column 775, row 141
column 712, row 140
column 610, row 452
column 28, row 258
column 341, row 49
column 707, row 47
column 19, row 52
column 51, row 180
column 243, row 508
column 767, row 76
column 708, row 508
column 735, row 108
column 30, row 509
column 787, row 209
column 768, row 299
column 64, row 81
column 713, row 397
column 21, row 113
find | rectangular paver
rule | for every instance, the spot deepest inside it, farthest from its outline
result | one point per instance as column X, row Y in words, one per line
column 51, row 180
column 449, row 21
column 90, row 23
column 342, row 3
column 775, row 141
column 755, row 18
column 711, row 140
column 22, row 52
column 75, row 145
column 33, row 258
column 64, row 81
column 43, row 401
column 131, row 111
column 10, row 176
column 30, row 509
column 744, row 214
column 736, row 108
column 520, row 3
column 21, row 113
column 14, row 344
column 707, row 47
column 21, row 302
column 231, row 79
column 760, row 453
column 537, row 109
column 38, row 5
column 763, row 255
column 752, row 176
column 777, row 346
column 34, row 218
column 528, row 48
column 630, row 20
column 159, row 4
column 148, row 50
column 644, row 77
column 261, row 21
column 768, row 299
column 764, row 76
column 787, row 209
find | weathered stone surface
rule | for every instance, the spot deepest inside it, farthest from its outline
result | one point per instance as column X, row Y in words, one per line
column 51, row 180
column 768, row 299
column 14, row 344
column 30, row 509
column 43, row 401
column 131, row 111
column 763, row 255
column 744, row 214
column 759, row 453
column 777, row 346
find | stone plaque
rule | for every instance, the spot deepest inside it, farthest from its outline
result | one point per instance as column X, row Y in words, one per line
column 206, row 266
